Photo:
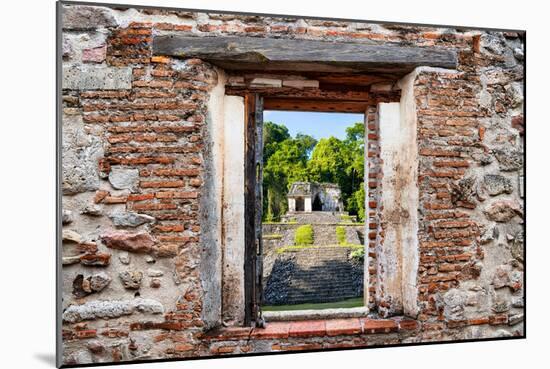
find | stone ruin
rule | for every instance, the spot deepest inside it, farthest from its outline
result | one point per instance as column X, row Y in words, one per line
column 311, row 196
column 151, row 253
column 312, row 202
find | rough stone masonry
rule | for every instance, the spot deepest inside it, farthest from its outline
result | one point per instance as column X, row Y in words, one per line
column 142, row 253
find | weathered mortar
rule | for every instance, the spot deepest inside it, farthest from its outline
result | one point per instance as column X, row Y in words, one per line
column 152, row 116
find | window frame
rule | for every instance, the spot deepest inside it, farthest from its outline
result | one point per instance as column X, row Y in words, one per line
column 255, row 104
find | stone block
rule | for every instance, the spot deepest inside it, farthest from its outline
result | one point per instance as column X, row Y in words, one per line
column 80, row 155
column 131, row 279
column 236, row 81
column 503, row 211
column 87, row 17
column 124, row 179
column 266, row 82
column 94, row 283
column 132, row 242
column 130, row 219
column 454, row 302
column 496, row 184
column 509, row 160
column 69, row 235
column 110, row 309
column 86, row 77
column 94, row 54
column 301, row 83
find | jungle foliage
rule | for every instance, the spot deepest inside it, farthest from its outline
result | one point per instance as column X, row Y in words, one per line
column 302, row 158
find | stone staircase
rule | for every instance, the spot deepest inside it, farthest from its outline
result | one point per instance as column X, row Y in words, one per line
column 315, row 275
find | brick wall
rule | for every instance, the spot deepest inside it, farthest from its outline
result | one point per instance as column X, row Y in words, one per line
column 375, row 232
column 471, row 216
column 136, row 149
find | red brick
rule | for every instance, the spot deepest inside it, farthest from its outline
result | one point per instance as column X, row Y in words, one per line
column 195, row 182
column 278, row 28
column 99, row 259
column 141, row 197
column 89, row 333
column 438, row 152
column 100, row 195
column 443, row 195
column 251, row 29
column 272, row 330
column 115, row 199
column 229, row 333
column 174, row 325
column 114, row 333
column 180, row 239
column 307, row 328
column 299, row 347
column 160, row 59
column 478, row 321
column 169, row 228
column 454, row 224
column 177, row 195
column 225, row 349
column 167, row 250
column 154, row 206
column 481, row 132
column 153, row 83
column 161, row 184
column 183, row 347
column 337, row 327
column 379, row 326
column 498, row 319
column 170, row 27
column 452, row 163
column 176, row 172
column 408, row 325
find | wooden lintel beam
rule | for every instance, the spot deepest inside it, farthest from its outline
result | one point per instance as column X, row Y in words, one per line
column 254, row 53
column 315, row 105
column 307, row 93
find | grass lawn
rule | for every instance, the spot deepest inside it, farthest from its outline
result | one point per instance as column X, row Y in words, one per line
column 350, row 303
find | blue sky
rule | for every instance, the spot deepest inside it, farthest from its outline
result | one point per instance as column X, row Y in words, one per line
column 318, row 125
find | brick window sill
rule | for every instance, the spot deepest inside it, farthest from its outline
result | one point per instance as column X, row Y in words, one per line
column 315, row 328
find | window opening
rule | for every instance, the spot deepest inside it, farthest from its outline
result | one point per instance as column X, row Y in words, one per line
column 313, row 207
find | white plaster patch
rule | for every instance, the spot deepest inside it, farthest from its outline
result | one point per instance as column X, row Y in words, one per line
column 410, row 252
column 233, row 207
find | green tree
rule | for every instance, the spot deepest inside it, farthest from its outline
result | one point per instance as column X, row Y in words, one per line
column 330, row 162
column 285, row 163
column 355, row 141
column 273, row 135
column 288, row 160
column 356, row 203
